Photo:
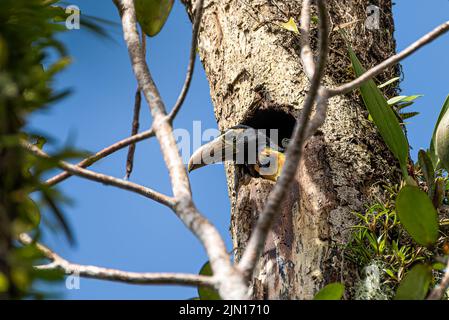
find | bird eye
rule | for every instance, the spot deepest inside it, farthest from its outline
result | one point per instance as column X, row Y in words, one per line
column 285, row 142
column 264, row 162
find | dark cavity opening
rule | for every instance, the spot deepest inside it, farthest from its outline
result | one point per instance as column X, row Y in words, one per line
column 268, row 119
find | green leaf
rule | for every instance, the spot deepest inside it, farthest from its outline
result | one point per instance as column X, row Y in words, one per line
column 433, row 153
column 29, row 217
column 428, row 171
column 395, row 100
column 383, row 85
column 93, row 24
column 333, row 291
column 99, row 26
column 50, row 275
column 439, row 266
column 40, row 142
column 407, row 99
column 439, row 191
column 418, row 215
column 383, row 116
column 290, row 25
column 415, row 284
column 401, row 106
column 152, row 14
column 4, row 283
column 391, row 274
column 442, row 141
column 412, row 98
column 206, row 293
column 408, row 115
column 59, row 65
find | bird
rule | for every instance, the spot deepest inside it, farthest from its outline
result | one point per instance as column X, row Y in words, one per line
column 251, row 148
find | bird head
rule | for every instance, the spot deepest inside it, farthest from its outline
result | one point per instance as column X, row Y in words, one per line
column 245, row 146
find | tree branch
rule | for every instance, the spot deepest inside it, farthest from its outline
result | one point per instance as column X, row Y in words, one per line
column 102, row 154
column 306, row 50
column 193, row 48
column 320, row 113
column 231, row 283
column 345, row 88
column 94, row 272
column 102, row 178
column 293, row 155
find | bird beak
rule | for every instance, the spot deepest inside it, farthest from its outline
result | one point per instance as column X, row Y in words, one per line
column 215, row 151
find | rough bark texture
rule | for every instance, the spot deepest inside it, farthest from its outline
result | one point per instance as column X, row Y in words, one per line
column 256, row 78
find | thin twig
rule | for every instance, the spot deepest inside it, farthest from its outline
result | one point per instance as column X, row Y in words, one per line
column 293, row 156
column 102, row 178
column 190, row 68
column 102, row 154
column 134, row 130
column 94, row 272
column 135, row 124
column 345, row 88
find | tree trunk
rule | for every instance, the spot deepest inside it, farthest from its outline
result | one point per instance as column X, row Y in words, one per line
column 256, row 78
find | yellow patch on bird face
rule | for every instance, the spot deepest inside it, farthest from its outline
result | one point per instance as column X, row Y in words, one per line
column 270, row 164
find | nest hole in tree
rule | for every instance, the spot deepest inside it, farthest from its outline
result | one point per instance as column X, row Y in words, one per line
column 269, row 119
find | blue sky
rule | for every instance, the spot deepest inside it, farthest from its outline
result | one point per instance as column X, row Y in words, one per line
column 122, row 230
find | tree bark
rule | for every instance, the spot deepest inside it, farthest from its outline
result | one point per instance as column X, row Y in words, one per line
column 256, row 78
